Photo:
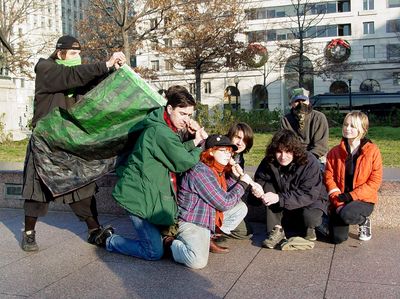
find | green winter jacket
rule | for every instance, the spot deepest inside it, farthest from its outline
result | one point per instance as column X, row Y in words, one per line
column 144, row 188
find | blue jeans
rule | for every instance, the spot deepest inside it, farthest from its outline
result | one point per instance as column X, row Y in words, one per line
column 147, row 243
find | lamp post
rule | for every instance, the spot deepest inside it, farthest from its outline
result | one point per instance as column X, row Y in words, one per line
column 236, row 81
column 229, row 97
column 350, row 78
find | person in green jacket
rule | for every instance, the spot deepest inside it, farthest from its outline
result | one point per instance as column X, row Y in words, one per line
column 147, row 185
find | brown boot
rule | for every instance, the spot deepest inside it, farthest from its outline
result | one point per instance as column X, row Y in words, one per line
column 215, row 248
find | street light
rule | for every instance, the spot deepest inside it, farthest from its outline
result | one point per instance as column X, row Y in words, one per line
column 229, row 97
column 350, row 78
column 236, row 80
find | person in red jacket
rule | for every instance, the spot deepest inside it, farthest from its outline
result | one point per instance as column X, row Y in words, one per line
column 353, row 176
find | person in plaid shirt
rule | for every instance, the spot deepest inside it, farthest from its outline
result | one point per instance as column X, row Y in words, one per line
column 208, row 195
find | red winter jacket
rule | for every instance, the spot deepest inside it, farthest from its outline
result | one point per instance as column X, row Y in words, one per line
column 367, row 175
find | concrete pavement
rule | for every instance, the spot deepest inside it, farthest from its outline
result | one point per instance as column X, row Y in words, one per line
column 67, row 267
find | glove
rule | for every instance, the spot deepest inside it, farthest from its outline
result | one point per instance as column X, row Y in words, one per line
column 345, row 197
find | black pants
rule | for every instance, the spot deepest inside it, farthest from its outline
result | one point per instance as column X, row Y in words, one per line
column 83, row 209
column 355, row 212
column 303, row 218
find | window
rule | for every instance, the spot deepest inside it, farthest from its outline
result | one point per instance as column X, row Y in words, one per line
column 369, row 52
column 369, row 28
column 192, row 88
column 207, row 87
column 368, row 4
column 393, row 51
column 394, row 3
column 168, row 42
column 153, row 23
column 155, row 65
column 396, row 78
column 154, row 44
column 370, row 85
column 169, row 66
column 344, row 29
column 393, row 26
column 344, row 6
column 271, row 35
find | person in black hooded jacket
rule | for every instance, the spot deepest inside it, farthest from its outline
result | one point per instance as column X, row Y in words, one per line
column 292, row 181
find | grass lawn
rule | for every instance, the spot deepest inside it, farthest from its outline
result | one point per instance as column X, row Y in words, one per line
column 387, row 138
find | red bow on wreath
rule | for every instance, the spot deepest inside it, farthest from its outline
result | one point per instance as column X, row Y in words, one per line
column 338, row 42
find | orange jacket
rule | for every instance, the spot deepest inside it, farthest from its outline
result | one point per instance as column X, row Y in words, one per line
column 367, row 175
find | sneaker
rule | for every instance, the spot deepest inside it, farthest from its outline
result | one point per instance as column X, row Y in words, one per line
column 105, row 233
column 364, row 230
column 310, row 235
column 28, row 242
column 275, row 237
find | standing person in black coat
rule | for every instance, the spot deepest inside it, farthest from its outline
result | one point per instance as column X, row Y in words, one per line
column 292, row 180
column 60, row 81
column 309, row 125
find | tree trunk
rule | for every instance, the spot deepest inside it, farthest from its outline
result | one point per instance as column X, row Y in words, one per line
column 126, row 50
column 197, row 73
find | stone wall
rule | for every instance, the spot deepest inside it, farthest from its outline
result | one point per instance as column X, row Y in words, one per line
column 386, row 213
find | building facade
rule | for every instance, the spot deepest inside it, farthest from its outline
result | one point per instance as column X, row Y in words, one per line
column 369, row 28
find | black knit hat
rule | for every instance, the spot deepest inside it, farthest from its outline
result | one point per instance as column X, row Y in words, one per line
column 68, row 42
column 219, row 140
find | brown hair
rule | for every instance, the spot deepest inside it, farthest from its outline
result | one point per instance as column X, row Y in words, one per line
column 63, row 54
column 179, row 96
column 248, row 134
column 286, row 140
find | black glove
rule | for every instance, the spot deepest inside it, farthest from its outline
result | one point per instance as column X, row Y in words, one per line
column 345, row 197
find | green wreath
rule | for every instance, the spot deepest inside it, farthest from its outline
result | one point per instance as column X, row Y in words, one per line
column 255, row 55
column 338, row 50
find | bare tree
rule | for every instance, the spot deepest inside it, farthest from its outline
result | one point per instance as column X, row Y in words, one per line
column 120, row 25
column 203, row 37
column 304, row 20
column 12, row 14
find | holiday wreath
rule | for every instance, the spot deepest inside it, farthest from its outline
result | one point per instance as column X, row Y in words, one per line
column 255, row 55
column 337, row 50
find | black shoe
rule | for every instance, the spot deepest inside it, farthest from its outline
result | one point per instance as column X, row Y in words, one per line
column 167, row 242
column 28, row 242
column 105, row 233
column 97, row 235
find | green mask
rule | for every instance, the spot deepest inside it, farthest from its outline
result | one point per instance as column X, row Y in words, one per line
column 70, row 62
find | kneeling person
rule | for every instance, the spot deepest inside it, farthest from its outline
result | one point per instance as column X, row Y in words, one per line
column 205, row 190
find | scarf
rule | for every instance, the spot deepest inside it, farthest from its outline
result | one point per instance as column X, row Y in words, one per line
column 218, row 170
column 70, row 62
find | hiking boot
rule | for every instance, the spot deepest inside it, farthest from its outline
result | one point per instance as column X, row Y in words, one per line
column 275, row 237
column 310, row 235
column 28, row 242
column 364, row 230
column 105, row 233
